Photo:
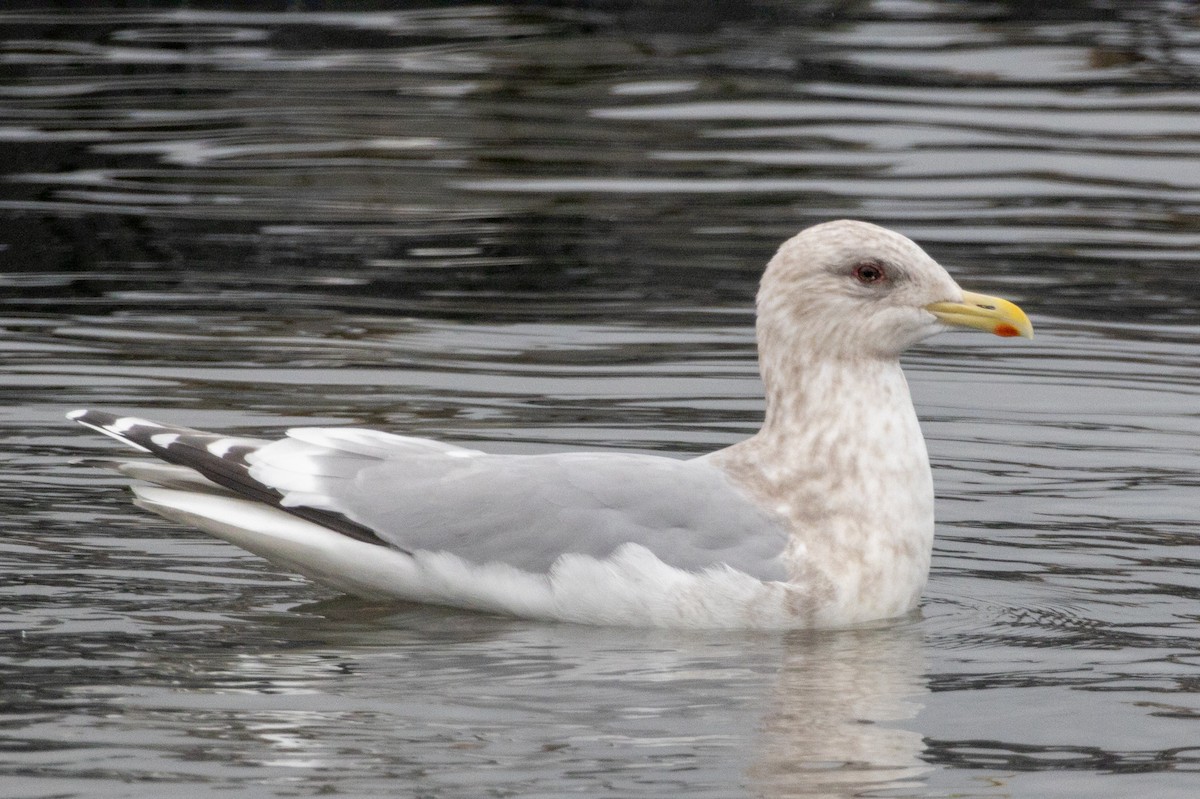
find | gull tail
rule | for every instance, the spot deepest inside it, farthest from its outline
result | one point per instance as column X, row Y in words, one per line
column 205, row 483
column 355, row 567
column 208, row 461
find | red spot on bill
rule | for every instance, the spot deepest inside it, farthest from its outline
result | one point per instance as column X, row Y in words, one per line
column 1007, row 331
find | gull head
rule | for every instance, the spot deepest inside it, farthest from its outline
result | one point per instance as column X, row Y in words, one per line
column 849, row 290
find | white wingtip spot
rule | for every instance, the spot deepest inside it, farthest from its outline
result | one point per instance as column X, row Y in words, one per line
column 220, row 448
column 73, row 415
column 126, row 423
column 115, row 435
column 164, row 440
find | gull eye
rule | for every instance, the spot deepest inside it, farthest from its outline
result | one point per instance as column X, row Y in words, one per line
column 869, row 272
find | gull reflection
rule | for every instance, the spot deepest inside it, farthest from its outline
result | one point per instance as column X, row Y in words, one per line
column 349, row 692
column 835, row 727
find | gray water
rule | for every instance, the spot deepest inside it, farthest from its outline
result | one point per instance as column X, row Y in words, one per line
column 537, row 227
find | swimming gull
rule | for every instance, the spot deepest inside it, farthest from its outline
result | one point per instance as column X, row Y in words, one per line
column 822, row 518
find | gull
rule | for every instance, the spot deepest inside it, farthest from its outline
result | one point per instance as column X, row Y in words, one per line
column 823, row 518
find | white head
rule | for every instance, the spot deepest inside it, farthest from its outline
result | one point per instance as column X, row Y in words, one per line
column 850, row 291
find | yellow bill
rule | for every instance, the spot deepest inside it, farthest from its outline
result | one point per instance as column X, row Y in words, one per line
column 980, row 311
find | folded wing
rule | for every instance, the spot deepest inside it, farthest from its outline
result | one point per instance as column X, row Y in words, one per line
column 526, row 511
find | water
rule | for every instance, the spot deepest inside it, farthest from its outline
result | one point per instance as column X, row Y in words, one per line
column 535, row 228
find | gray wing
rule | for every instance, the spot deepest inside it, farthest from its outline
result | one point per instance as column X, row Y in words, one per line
column 523, row 510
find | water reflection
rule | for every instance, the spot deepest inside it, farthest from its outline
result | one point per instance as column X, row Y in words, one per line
column 840, row 722
column 437, row 698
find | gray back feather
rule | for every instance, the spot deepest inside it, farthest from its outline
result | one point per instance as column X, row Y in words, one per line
column 525, row 510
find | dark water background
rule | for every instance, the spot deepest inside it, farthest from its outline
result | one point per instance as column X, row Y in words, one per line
column 538, row 226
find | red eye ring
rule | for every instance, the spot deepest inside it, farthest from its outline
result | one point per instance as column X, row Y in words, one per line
column 870, row 272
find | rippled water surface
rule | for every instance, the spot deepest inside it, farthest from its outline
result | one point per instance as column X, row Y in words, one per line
column 531, row 227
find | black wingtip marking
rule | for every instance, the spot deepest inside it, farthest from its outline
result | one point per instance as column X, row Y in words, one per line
column 190, row 448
